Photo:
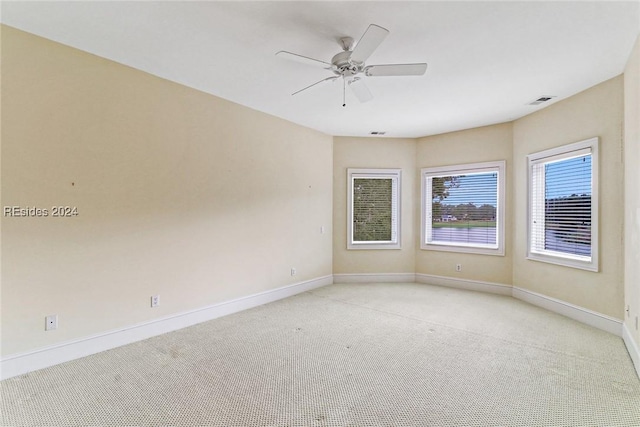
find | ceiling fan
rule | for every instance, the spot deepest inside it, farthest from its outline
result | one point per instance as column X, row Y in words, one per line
column 350, row 64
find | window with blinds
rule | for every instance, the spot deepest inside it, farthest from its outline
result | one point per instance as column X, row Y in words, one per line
column 374, row 208
column 563, row 205
column 463, row 208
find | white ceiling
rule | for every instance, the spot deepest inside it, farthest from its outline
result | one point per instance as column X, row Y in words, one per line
column 487, row 60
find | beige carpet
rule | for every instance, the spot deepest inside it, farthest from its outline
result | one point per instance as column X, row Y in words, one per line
column 348, row 355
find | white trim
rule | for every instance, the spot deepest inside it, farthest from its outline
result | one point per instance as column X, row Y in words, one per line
column 375, row 278
column 396, row 205
column 563, row 152
column 581, row 314
column 534, row 160
column 632, row 347
column 467, row 284
column 17, row 364
column 426, row 174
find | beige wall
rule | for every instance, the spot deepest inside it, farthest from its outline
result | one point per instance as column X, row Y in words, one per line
column 483, row 144
column 373, row 153
column 597, row 111
column 179, row 194
column 201, row 200
column 632, row 192
column 476, row 145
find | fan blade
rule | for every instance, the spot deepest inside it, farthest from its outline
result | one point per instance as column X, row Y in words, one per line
column 316, row 83
column 369, row 41
column 303, row 59
column 396, row 70
column 360, row 89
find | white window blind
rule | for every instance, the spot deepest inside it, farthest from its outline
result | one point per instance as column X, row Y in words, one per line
column 563, row 205
column 463, row 208
column 374, row 213
column 374, row 206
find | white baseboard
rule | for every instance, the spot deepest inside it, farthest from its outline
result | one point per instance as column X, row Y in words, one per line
column 18, row 364
column 375, row 278
column 469, row 285
column 583, row 315
column 632, row 347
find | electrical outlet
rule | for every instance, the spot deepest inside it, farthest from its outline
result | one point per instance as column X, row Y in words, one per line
column 51, row 322
column 155, row 301
column 322, row 229
column 293, row 271
column 458, row 267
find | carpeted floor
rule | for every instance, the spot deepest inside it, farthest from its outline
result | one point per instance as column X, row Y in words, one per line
column 348, row 355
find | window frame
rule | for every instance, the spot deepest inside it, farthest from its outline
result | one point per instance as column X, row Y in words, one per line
column 565, row 152
column 396, row 176
column 498, row 166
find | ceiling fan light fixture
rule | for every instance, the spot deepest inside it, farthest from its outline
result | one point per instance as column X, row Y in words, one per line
column 350, row 63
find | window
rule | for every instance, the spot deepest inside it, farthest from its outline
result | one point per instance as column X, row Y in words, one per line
column 563, row 205
column 374, row 209
column 463, row 208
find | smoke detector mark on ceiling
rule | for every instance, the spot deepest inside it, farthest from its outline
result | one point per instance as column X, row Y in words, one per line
column 542, row 99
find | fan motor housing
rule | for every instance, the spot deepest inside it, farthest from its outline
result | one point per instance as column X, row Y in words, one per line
column 343, row 66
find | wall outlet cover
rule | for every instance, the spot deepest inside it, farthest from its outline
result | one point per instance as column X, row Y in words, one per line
column 51, row 322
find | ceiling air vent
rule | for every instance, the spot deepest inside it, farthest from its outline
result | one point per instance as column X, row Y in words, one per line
column 376, row 132
column 541, row 100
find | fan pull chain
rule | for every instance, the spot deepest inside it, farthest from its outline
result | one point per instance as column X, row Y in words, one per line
column 344, row 89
